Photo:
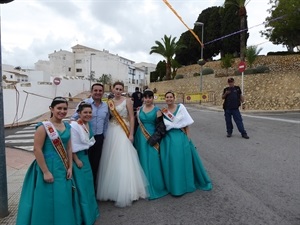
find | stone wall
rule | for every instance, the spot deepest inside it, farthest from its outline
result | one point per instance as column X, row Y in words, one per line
column 277, row 90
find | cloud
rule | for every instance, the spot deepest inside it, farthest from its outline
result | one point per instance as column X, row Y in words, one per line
column 32, row 29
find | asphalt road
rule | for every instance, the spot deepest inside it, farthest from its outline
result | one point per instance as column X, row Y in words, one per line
column 256, row 181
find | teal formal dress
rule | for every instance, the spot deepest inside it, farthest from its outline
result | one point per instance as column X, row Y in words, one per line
column 48, row 203
column 83, row 178
column 182, row 167
column 149, row 156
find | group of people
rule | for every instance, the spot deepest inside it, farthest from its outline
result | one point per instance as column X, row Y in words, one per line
column 100, row 155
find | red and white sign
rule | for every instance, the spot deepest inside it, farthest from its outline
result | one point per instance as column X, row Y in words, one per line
column 242, row 66
column 56, row 80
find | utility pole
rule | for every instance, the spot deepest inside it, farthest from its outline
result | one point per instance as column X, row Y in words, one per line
column 3, row 176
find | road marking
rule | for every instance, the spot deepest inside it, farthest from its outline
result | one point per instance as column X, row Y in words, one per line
column 19, row 141
column 27, row 148
column 272, row 118
column 29, row 128
column 25, row 131
column 19, row 135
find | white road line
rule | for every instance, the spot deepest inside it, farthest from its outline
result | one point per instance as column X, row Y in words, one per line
column 272, row 118
column 19, row 136
column 28, row 148
column 25, row 131
column 29, row 128
column 19, row 141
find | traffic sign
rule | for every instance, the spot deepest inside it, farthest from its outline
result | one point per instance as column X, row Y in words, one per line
column 56, row 80
column 242, row 66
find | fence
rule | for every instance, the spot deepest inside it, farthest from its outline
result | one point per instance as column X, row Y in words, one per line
column 186, row 98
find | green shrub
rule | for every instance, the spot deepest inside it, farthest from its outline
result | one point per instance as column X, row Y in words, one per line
column 179, row 76
column 196, row 74
column 262, row 69
column 247, row 71
column 207, row 71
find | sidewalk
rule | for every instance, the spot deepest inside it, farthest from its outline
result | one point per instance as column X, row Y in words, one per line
column 17, row 163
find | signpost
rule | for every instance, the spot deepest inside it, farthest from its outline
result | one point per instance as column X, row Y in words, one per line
column 242, row 68
column 56, row 81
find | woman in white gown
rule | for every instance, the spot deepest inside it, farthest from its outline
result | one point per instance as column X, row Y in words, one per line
column 120, row 175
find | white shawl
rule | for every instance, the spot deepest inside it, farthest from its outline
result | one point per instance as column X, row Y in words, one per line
column 181, row 120
column 80, row 138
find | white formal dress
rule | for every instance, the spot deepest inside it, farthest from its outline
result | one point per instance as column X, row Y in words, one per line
column 120, row 175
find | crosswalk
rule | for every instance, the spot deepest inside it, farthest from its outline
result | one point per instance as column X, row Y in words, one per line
column 23, row 139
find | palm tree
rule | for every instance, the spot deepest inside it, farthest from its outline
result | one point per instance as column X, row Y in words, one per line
column 243, row 18
column 167, row 49
column 251, row 54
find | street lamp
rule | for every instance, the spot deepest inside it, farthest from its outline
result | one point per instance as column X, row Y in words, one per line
column 201, row 61
column 3, row 175
column 91, row 72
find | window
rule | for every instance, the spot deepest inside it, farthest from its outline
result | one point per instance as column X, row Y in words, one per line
column 137, row 81
column 11, row 76
column 129, row 80
column 78, row 61
column 78, row 70
column 69, row 69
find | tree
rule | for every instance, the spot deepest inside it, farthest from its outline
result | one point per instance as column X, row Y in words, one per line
column 282, row 27
column 211, row 18
column 234, row 19
column 159, row 73
column 251, row 54
column 175, row 65
column 190, row 54
column 227, row 61
column 167, row 49
column 242, row 13
column 105, row 79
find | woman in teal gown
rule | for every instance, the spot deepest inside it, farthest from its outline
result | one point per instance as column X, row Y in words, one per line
column 47, row 190
column 150, row 119
column 182, row 167
column 82, row 140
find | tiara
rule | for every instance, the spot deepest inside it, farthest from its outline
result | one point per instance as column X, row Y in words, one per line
column 61, row 99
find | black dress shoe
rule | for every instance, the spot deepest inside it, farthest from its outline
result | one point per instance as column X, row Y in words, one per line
column 245, row 136
column 228, row 135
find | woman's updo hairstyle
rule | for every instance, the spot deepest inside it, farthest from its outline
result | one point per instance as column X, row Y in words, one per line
column 82, row 106
column 56, row 101
column 148, row 93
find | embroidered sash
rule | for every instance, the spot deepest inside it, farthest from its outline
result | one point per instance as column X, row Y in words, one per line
column 80, row 122
column 168, row 114
column 117, row 116
column 145, row 132
column 57, row 142
column 86, row 136
column 171, row 117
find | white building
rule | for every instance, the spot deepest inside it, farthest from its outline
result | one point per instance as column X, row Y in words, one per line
column 14, row 74
column 91, row 64
column 148, row 68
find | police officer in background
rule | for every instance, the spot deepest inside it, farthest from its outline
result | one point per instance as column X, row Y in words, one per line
column 137, row 98
column 233, row 99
